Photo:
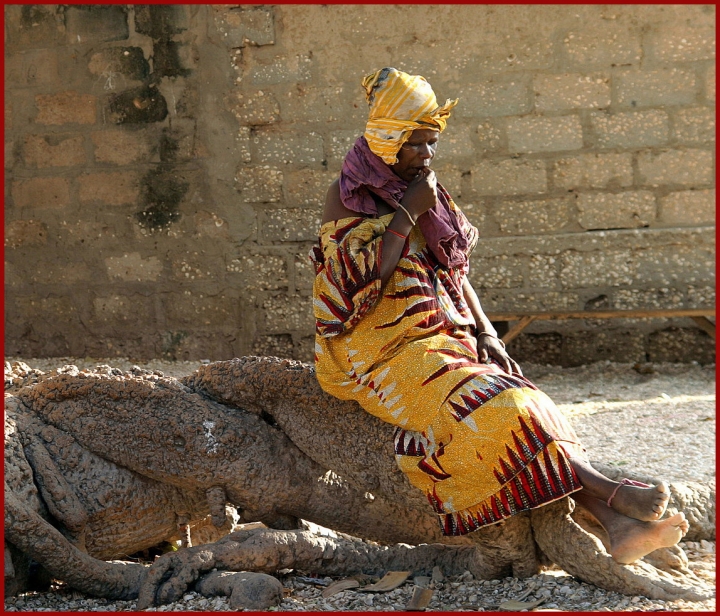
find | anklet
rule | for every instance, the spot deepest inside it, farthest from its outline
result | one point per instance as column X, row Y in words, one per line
column 626, row 482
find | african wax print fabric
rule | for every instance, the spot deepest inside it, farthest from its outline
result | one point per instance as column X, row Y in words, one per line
column 481, row 444
column 399, row 104
column 364, row 176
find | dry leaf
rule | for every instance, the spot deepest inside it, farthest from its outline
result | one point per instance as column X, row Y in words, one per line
column 339, row 586
column 390, row 581
column 420, row 599
column 519, row 606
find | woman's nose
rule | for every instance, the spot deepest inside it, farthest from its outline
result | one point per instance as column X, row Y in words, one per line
column 426, row 151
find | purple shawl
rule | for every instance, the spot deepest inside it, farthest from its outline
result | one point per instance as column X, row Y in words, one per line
column 364, row 173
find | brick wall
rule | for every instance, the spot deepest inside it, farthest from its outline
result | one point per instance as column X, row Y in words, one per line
column 166, row 167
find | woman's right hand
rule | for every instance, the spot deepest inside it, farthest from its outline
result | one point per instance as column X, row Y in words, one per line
column 421, row 193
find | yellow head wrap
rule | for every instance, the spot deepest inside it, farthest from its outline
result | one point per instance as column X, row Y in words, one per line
column 399, row 104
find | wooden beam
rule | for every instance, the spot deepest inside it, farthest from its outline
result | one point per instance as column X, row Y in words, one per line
column 706, row 325
column 699, row 315
column 605, row 314
column 515, row 330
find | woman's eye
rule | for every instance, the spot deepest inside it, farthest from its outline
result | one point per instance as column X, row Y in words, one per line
column 417, row 146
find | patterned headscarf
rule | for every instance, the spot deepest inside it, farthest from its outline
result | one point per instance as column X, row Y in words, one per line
column 399, row 104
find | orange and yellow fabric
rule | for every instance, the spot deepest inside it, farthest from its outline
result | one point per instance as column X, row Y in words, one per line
column 481, row 444
column 399, row 104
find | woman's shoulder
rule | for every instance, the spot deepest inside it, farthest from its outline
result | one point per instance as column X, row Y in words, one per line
column 334, row 208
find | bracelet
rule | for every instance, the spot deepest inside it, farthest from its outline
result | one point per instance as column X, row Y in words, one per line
column 492, row 336
column 402, row 207
column 396, row 233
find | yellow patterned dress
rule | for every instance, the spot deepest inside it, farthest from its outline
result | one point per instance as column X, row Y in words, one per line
column 481, row 444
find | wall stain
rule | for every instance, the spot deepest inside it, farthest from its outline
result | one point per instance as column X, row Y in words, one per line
column 141, row 105
column 162, row 191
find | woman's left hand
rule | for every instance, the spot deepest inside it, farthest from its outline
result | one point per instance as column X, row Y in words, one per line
column 490, row 346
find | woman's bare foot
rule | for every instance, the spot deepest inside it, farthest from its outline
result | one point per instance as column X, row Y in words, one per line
column 632, row 539
column 645, row 504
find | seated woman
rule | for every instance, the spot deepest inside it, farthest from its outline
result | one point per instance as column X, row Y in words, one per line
column 401, row 331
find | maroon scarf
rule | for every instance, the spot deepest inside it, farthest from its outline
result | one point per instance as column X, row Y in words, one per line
column 364, row 173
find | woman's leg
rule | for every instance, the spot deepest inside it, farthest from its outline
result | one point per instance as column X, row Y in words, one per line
column 631, row 539
column 645, row 504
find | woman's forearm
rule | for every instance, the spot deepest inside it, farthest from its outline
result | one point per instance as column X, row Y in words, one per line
column 394, row 240
column 473, row 301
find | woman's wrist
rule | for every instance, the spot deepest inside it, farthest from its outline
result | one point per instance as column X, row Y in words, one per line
column 395, row 233
column 399, row 224
column 406, row 212
column 479, row 334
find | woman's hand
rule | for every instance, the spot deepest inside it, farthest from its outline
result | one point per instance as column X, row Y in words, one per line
column 490, row 346
column 421, row 193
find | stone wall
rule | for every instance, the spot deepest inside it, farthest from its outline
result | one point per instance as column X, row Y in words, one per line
column 166, row 167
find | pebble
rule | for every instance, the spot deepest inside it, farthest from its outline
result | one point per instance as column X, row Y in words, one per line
column 561, row 592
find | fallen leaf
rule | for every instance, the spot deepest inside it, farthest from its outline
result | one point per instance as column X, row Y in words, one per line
column 339, row 586
column 519, row 606
column 390, row 581
column 420, row 599
column 526, row 594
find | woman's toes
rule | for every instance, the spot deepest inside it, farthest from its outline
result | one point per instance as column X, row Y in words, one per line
column 677, row 519
column 683, row 525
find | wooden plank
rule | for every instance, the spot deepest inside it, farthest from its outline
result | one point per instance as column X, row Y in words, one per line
column 706, row 325
column 515, row 330
column 605, row 314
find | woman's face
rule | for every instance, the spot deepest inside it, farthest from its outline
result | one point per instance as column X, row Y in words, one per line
column 417, row 152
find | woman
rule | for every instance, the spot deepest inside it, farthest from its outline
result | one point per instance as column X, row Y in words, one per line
column 401, row 331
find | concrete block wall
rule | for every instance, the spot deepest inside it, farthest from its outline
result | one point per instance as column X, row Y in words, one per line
column 166, row 167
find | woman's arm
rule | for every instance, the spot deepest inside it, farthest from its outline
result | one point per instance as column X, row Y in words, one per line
column 419, row 197
column 488, row 342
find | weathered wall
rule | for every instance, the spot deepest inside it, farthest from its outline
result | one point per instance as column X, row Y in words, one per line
column 166, row 168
